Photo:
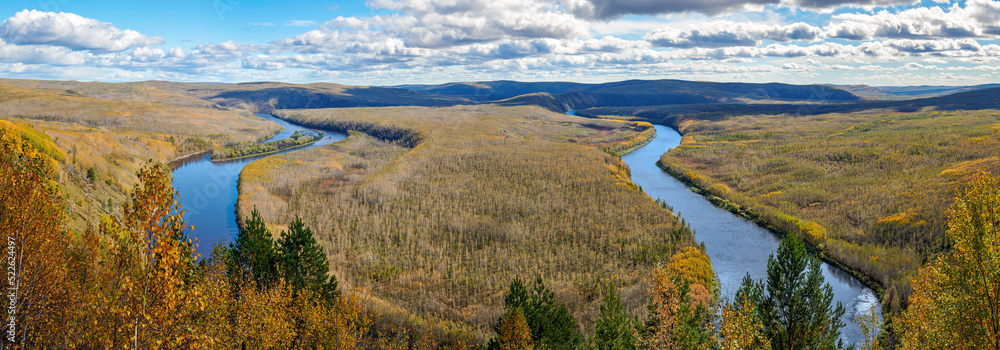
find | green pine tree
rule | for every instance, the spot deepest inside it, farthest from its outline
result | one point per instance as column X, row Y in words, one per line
column 551, row 325
column 614, row 329
column 795, row 304
column 303, row 262
column 252, row 257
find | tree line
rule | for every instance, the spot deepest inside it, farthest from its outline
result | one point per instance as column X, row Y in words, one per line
column 297, row 139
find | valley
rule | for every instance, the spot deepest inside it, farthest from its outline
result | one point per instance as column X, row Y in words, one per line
column 429, row 211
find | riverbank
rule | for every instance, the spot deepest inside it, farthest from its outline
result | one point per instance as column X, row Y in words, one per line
column 261, row 149
column 208, row 193
column 736, row 246
column 644, row 138
column 696, row 185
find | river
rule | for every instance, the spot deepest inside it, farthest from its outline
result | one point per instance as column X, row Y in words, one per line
column 736, row 246
column 207, row 190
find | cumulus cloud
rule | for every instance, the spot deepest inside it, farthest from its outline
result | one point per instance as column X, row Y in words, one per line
column 978, row 19
column 607, row 9
column 726, row 33
column 435, row 24
column 833, row 4
column 37, row 54
column 71, row 31
column 540, row 39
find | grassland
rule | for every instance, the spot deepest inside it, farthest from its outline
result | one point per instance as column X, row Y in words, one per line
column 435, row 210
column 101, row 143
column 868, row 189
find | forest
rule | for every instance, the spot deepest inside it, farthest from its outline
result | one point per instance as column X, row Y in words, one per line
column 417, row 208
column 134, row 282
column 389, row 238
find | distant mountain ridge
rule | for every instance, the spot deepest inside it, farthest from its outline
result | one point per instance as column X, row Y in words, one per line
column 909, row 92
column 563, row 95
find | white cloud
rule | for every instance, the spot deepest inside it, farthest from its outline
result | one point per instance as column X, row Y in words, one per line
column 436, row 24
column 609, row 9
column 727, row 33
column 300, row 23
column 40, row 54
column 71, row 31
column 978, row 19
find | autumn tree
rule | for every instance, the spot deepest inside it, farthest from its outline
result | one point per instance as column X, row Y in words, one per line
column 614, row 330
column 740, row 327
column 514, row 331
column 34, row 254
column 956, row 298
column 795, row 304
column 150, row 293
column 870, row 324
column 675, row 320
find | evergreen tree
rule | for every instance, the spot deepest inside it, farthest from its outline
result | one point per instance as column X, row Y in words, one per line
column 614, row 329
column 551, row 324
column 252, row 257
column 303, row 262
column 795, row 305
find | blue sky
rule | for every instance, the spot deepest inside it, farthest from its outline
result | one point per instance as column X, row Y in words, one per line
column 388, row 42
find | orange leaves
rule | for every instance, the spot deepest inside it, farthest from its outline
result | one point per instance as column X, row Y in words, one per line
column 514, row 332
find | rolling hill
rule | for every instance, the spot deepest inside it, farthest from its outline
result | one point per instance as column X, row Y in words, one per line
column 563, row 96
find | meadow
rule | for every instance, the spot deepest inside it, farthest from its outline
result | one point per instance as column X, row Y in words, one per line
column 870, row 190
column 434, row 211
column 100, row 143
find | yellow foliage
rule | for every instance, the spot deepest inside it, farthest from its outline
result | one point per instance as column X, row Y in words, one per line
column 739, row 327
column 693, row 265
column 34, row 253
column 955, row 303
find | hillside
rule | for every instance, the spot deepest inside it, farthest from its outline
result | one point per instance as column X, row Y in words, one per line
column 932, row 91
column 419, row 208
column 636, row 92
column 673, row 115
column 633, row 93
column 267, row 96
column 137, row 92
column 104, row 142
column 484, row 91
column 262, row 96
